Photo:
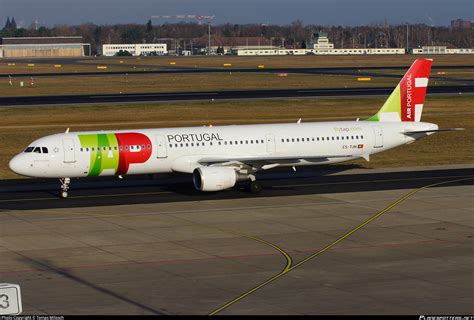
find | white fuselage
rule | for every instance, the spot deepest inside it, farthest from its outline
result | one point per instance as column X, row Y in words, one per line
column 148, row 151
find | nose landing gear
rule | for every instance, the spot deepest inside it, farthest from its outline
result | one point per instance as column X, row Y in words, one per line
column 64, row 187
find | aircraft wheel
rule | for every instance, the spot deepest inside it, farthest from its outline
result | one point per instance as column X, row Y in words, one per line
column 255, row 187
column 63, row 194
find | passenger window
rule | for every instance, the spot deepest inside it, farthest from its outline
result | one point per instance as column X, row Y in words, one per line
column 121, row 148
column 241, row 142
column 362, row 137
column 230, row 142
column 143, row 146
column 337, row 138
column 149, row 146
column 126, row 148
column 181, row 145
column 192, row 144
column 87, row 149
column 171, row 146
column 317, row 138
column 312, row 139
column 282, row 140
column 292, row 139
column 45, row 150
column 92, row 149
column 261, row 141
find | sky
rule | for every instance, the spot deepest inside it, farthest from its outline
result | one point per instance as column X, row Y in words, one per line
column 320, row 12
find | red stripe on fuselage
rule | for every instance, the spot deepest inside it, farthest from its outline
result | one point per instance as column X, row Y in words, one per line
column 127, row 155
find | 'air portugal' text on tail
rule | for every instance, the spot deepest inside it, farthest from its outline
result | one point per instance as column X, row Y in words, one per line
column 406, row 101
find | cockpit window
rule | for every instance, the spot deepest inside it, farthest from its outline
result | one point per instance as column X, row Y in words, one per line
column 29, row 149
column 37, row 150
column 45, row 150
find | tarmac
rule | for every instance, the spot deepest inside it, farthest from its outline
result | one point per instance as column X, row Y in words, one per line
column 354, row 242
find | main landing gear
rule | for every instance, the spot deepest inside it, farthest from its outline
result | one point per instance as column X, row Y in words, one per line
column 64, row 187
column 253, row 185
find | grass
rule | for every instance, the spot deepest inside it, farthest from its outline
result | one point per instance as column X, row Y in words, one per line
column 20, row 126
column 179, row 82
column 284, row 61
column 89, row 64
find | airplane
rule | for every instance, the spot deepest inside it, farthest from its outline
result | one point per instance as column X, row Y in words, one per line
column 219, row 157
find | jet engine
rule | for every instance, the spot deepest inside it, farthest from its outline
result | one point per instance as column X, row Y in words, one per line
column 214, row 178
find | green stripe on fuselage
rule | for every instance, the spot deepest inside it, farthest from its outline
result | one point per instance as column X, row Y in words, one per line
column 105, row 158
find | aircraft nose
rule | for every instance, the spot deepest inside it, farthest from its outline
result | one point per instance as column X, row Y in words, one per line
column 18, row 164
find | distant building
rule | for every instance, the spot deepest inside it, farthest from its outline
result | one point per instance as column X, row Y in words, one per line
column 230, row 44
column 300, row 52
column 145, row 49
column 441, row 50
column 461, row 24
column 23, row 47
column 320, row 41
column 10, row 24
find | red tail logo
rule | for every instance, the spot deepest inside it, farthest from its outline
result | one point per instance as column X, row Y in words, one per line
column 413, row 90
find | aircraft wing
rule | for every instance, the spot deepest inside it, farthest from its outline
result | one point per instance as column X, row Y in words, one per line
column 265, row 162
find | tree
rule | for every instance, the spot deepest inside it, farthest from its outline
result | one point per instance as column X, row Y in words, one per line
column 149, row 26
column 123, row 53
column 133, row 34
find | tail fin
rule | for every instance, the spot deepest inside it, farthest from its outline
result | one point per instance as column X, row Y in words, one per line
column 406, row 101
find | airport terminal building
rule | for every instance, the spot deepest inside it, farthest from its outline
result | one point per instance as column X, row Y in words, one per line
column 26, row 47
column 142, row 49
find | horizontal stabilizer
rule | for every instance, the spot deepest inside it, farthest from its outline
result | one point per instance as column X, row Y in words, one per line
column 432, row 131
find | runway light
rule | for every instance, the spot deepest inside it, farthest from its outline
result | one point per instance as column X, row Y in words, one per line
column 260, row 66
column 364, row 79
column 31, row 64
column 101, row 67
column 57, row 66
column 227, row 64
column 172, row 62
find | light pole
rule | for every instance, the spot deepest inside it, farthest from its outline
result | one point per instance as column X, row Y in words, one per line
column 407, row 38
column 209, row 33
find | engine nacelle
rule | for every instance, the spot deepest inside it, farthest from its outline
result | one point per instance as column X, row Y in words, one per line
column 214, row 178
